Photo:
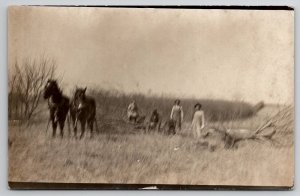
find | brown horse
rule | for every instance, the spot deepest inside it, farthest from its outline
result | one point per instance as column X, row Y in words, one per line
column 83, row 109
column 58, row 106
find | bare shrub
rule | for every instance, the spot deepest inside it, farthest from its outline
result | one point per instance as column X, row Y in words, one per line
column 26, row 82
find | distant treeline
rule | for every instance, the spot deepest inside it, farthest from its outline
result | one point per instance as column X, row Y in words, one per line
column 113, row 104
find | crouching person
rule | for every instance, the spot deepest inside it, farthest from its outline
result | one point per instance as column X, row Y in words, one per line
column 170, row 127
column 132, row 112
column 154, row 122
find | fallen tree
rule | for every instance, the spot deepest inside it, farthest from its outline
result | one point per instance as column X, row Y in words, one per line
column 265, row 132
column 217, row 135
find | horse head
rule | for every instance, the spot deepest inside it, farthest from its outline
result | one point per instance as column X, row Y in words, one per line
column 50, row 88
column 80, row 94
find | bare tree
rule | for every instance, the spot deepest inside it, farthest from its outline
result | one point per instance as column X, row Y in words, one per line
column 26, row 86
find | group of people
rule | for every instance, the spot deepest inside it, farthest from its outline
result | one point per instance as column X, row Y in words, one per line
column 176, row 117
column 82, row 108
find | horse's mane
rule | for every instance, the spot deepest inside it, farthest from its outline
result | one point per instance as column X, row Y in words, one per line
column 58, row 92
column 57, row 88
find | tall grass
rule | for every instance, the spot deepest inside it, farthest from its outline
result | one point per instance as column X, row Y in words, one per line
column 145, row 158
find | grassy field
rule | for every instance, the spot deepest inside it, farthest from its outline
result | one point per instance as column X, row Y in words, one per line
column 127, row 155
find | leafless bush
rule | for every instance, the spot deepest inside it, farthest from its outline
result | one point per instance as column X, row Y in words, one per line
column 26, row 81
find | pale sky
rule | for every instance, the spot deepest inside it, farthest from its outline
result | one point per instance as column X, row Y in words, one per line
column 220, row 54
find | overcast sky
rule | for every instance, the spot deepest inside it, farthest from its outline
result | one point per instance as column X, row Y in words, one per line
column 220, row 54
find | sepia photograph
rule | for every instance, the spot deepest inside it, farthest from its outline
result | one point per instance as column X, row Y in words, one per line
column 150, row 97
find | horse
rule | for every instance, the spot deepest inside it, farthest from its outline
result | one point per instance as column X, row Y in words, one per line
column 58, row 105
column 83, row 109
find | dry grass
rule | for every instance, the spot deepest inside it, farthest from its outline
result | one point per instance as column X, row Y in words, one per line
column 135, row 157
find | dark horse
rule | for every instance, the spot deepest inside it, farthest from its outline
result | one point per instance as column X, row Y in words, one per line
column 58, row 105
column 83, row 109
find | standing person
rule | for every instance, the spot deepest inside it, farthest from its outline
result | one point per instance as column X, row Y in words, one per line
column 132, row 112
column 177, row 114
column 198, row 121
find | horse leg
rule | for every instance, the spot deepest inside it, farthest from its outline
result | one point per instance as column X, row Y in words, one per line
column 69, row 126
column 61, row 127
column 73, row 124
column 48, row 124
column 54, row 126
column 75, row 121
column 82, row 128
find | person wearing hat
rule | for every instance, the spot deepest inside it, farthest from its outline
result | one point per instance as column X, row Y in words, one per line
column 198, row 122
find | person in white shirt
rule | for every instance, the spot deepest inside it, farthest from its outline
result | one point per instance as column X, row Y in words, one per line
column 198, row 122
column 177, row 114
